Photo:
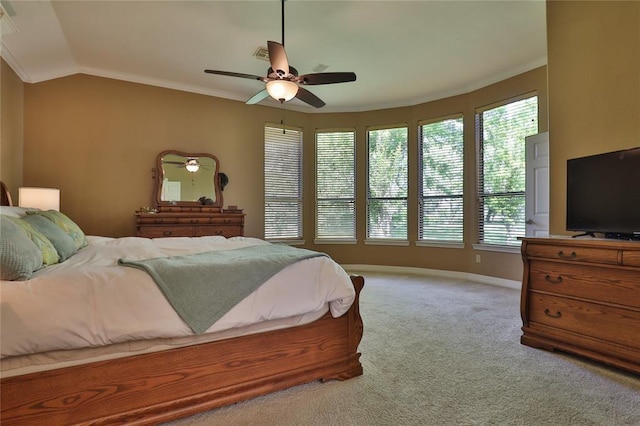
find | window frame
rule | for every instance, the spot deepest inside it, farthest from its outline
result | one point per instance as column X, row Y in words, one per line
column 351, row 239
column 421, row 197
column 298, row 199
column 384, row 240
column 481, row 243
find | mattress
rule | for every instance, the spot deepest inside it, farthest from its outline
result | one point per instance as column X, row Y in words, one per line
column 88, row 308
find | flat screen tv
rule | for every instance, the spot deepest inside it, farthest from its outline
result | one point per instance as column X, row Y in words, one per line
column 603, row 194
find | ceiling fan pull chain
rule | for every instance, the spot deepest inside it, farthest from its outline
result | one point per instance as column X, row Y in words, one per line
column 282, row 119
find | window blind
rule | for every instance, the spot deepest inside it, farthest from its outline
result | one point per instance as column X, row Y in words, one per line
column 335, row 185
column 387, row 183
column 282, row 183
column 441, row 180
column 501, row 133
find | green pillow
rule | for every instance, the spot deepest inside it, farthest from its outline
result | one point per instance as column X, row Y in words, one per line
column 66, row 224
column 49, row 253
column 19, row 256
column 64, row 244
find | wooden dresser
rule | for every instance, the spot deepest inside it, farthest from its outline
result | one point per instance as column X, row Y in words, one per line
column 188, row 199
column 583, row 296
column 190, row 222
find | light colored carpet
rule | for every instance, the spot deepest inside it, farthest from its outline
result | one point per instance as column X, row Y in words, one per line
column 439, row 351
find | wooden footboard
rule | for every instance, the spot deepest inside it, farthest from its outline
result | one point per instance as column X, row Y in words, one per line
column 156, row 387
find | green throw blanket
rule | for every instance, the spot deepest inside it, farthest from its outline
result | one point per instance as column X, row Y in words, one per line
column 203, row 287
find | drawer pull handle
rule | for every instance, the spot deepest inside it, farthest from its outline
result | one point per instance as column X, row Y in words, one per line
column 552, row 281
column 548, row 313
column 561, row 255
column 167, row 233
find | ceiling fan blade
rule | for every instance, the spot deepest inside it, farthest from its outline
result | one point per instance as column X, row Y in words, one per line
column 236, row 74
column 278, row 59
column 326, row 78
column 258, row 97
column 306, row 96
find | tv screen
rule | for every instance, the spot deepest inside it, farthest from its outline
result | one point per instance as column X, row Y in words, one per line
column 603, row 194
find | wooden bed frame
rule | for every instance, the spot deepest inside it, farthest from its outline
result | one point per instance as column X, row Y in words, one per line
column 156, row 387
column 5, row 195
column 161, row 386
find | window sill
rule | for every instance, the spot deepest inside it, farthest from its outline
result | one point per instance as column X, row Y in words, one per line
column 439, row 244
column 497, row 248
column 385, row 242
column 335, row 241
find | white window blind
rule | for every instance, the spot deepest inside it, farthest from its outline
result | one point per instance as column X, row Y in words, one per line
column 335, row 185
column 441, row 180
column 501, row 133
column 387, row 183
column 282, row 183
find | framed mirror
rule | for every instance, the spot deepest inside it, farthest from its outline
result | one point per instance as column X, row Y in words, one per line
column 187, row 180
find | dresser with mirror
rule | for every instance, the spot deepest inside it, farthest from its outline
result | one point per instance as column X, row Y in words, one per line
column 188, row 199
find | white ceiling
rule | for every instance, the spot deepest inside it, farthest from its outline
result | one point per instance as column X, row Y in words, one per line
column 403, row 52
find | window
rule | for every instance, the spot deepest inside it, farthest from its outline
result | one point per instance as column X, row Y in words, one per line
column 282, row 183
column 441, row 180
column 501, row 133
column 387, row 183
column 335, row 185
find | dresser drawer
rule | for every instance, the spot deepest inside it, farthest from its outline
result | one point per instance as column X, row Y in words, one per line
column 631, row 258
column 193, row 220
column 573, row 254
column 588, row 282
column 225, row 231
column 166, row 231
column 156, row 220
column 227, row 220
column 589, row 319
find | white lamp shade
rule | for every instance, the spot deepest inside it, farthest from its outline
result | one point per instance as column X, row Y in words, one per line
column 39, row 198
column 282, row 90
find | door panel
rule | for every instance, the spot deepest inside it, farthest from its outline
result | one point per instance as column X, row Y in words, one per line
column 537, row 185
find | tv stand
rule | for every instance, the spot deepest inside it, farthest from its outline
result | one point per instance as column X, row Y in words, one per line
column 583, row 297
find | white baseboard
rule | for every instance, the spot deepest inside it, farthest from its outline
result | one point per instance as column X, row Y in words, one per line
column 484, row 279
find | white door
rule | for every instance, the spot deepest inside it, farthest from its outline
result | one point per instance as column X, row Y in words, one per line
column 537, row 185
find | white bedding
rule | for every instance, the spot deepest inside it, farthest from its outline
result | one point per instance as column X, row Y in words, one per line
column 90, row 301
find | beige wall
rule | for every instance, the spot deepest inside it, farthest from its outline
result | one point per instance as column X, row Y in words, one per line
column 97, row 139
column 594, row 86
column 11, row 129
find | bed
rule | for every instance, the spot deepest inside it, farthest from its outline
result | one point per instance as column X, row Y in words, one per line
column 166, row 370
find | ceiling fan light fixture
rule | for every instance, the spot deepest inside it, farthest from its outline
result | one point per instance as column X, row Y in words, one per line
column 192, row 165
column 282, row 90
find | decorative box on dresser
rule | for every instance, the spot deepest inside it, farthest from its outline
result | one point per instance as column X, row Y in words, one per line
column 190, row 222
column 583, row 296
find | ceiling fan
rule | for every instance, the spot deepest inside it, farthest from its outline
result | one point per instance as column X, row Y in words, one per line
column 192, row 164
column 282, row 80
